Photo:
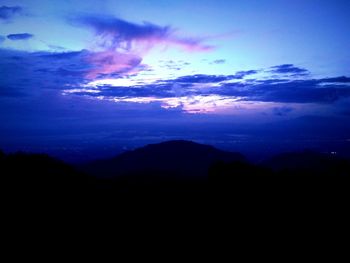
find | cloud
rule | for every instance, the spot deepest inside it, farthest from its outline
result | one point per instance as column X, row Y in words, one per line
column 242, row 74
column 341, row 79
column 65, row 68
column 7, row 12
column 219, row 61
column 202, row 78
column 119, row 46
column 11, row 92
column 115, row 33
column 111, row 63
column 2, row 39
column 37, row 71
column 70, row 73
column 21, row 36
column 289, row 69
column 61, row 55
column 293, row 91
column 174, row 65
column 121, row 31
column 230, row 86
column 282, row 111
column 214, row 79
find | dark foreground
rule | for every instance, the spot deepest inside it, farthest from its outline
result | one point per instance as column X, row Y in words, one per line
column 176, row 170
column 177, row 189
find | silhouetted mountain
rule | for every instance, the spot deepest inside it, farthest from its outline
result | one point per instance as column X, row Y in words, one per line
column 285, row 177
column 309, row 163
column 171, row 159
column 40, row 175
column 175, row 167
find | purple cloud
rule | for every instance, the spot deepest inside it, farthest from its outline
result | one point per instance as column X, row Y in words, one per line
column 270, row 90
column 121, row 44
column 7, row 12
column 21, row 36
column 242, row 74
column 342, row 79
column 289, row 69
column 116, row 33
column 69, row 72
column 107, row 63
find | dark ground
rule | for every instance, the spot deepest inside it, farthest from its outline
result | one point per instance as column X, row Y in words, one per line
column 177, row 169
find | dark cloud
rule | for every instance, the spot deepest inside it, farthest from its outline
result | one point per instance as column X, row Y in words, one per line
column 219, row 61
column 122, row 31
column 115, row 33
column 201, row 78
column 11, row 92
column 282, row 111
column 242, row 74
column 346, row 112
column 31, row 73
column 57, row 70
column 61, row 55
column 37, row 71
column 7, row 12
column 342, row 79
column 301, row 91
column 21, row 36
column 289, row 69
column 123, row 44
column 290, row 91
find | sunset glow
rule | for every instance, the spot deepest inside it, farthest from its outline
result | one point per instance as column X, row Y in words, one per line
column 97, row 73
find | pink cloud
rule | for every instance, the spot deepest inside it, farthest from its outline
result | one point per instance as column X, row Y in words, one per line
column 121, row 44
column 115, row 33
column 191, row 44
column 111, row 62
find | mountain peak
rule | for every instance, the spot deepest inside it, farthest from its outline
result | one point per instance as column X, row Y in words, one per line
column 177, row 156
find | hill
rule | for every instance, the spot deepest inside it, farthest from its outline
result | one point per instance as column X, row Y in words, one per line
column 172, row 158
column 308, row 163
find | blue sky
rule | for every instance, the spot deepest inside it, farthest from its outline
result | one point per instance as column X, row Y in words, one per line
column 226, row 64
column 248, row 34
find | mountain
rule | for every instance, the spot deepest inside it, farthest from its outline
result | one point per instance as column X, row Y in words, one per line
column 309, row 163
column 25, row 175
column 174, row 167
column 172, row 158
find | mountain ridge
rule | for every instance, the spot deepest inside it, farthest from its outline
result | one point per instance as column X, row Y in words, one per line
column 179, row 156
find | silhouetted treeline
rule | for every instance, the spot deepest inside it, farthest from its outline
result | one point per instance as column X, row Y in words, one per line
column 39, row 175
column 291, row 176
column 178, row 167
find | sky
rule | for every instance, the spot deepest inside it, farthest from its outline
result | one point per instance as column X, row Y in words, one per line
column 97, row 77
